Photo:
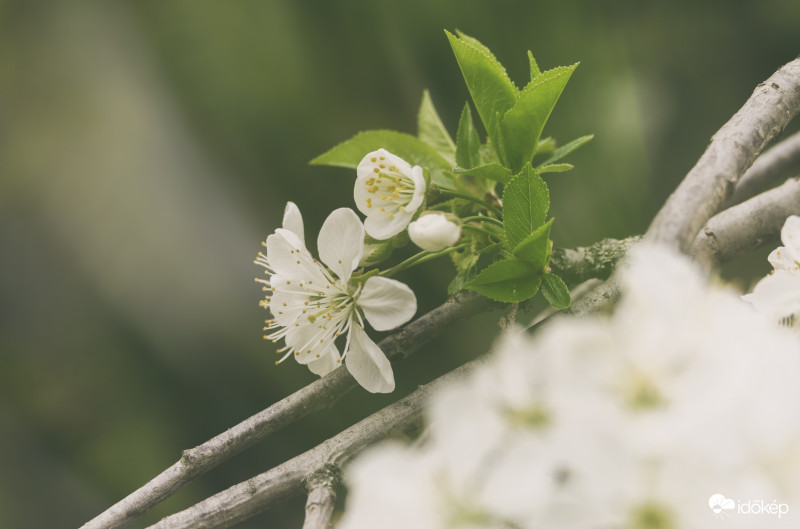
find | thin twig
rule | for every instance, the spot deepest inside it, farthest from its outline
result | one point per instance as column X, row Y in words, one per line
column 770, row 169
column 732, row 150
column 257, row 494
column 321, row 488
column 316, row 396
column 747, row 226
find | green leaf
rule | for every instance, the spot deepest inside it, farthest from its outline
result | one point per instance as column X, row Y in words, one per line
column 522, row 125
column 525, row 204
column 492, row 171
column 535, row 72
column 566, row 149
column 413, row 150
column 534, row 248
column 555, row 168
column 468, row 142
column 555, row 291
column 509, row 281
column 460, row 281
column 546, row 146
column 432, row 130
column 492, row 91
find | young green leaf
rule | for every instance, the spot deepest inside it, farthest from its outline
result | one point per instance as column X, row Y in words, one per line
column 522, row 125
column 546, row 145
column 535, row 72
column 413, row 150
column 431, row 130
column 555, row 168
column 555, row 291
column 492, row 171
column 492, row 91
column 509, row 281
column 566, row 149
column 534, row 248
column 525, row 204
column 468, row 142
column 350, row 152
column 460, row 281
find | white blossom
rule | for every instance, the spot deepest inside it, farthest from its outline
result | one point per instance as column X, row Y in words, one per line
column 778, row 295
column 633, row 421
column 434, row 232
column 388, row 191
column 313, row 303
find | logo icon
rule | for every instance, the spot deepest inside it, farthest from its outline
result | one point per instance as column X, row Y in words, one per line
column 720, row 505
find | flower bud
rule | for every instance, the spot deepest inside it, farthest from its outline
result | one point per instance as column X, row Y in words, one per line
column 434, row 232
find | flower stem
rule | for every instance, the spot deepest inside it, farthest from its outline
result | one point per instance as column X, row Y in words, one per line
column 420, row 258
column 482, row 218
column 465, row 196
column 481, row 230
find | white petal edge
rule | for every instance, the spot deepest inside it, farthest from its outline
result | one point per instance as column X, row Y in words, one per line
column 367, row 363
column 387, row 303
column 366, row 166
column 777, row 295
column 341, row 242
column 293, row 220
column 279, row 257
column 790, row 236
column 327, row 363
column 382, row 228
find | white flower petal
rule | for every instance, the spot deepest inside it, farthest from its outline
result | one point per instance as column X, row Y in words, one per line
column 326, row 363
column 341, row 242
column 419, row 188
column 781, row 259
column 387, row 303
column 281, row 246
column 383, row 228
column 370, row 162
column 293, row 220
column 777, row 295
column 306, row 339
column 367, row 363
column 790, row 236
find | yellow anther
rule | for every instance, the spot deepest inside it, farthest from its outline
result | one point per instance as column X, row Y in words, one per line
column 393, row 168
column 317, row 356
column 390, row 215
column 382, row 166
column 383, row 158
column 401, row 208
column 376, row 170
column 373, row 159
column 383, row 209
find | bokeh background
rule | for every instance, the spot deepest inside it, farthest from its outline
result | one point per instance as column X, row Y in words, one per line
column 147, row 147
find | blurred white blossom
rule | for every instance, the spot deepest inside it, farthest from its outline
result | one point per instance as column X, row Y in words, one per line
column 388, row 191
column 629, row 421
column 312, row 305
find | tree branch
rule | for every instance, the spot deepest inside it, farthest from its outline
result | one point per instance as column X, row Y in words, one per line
column 257, row 494
column 732, row 150
column 770, row 169
column 316, row 396
column 592, row 262
column 321, row 488
column 747, row 226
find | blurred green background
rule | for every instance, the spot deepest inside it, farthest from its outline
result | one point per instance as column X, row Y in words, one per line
column 146, row 148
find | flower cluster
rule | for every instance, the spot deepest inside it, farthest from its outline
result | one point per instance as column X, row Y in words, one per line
column 648, row 419
column 315, row 302
column 778, row 294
